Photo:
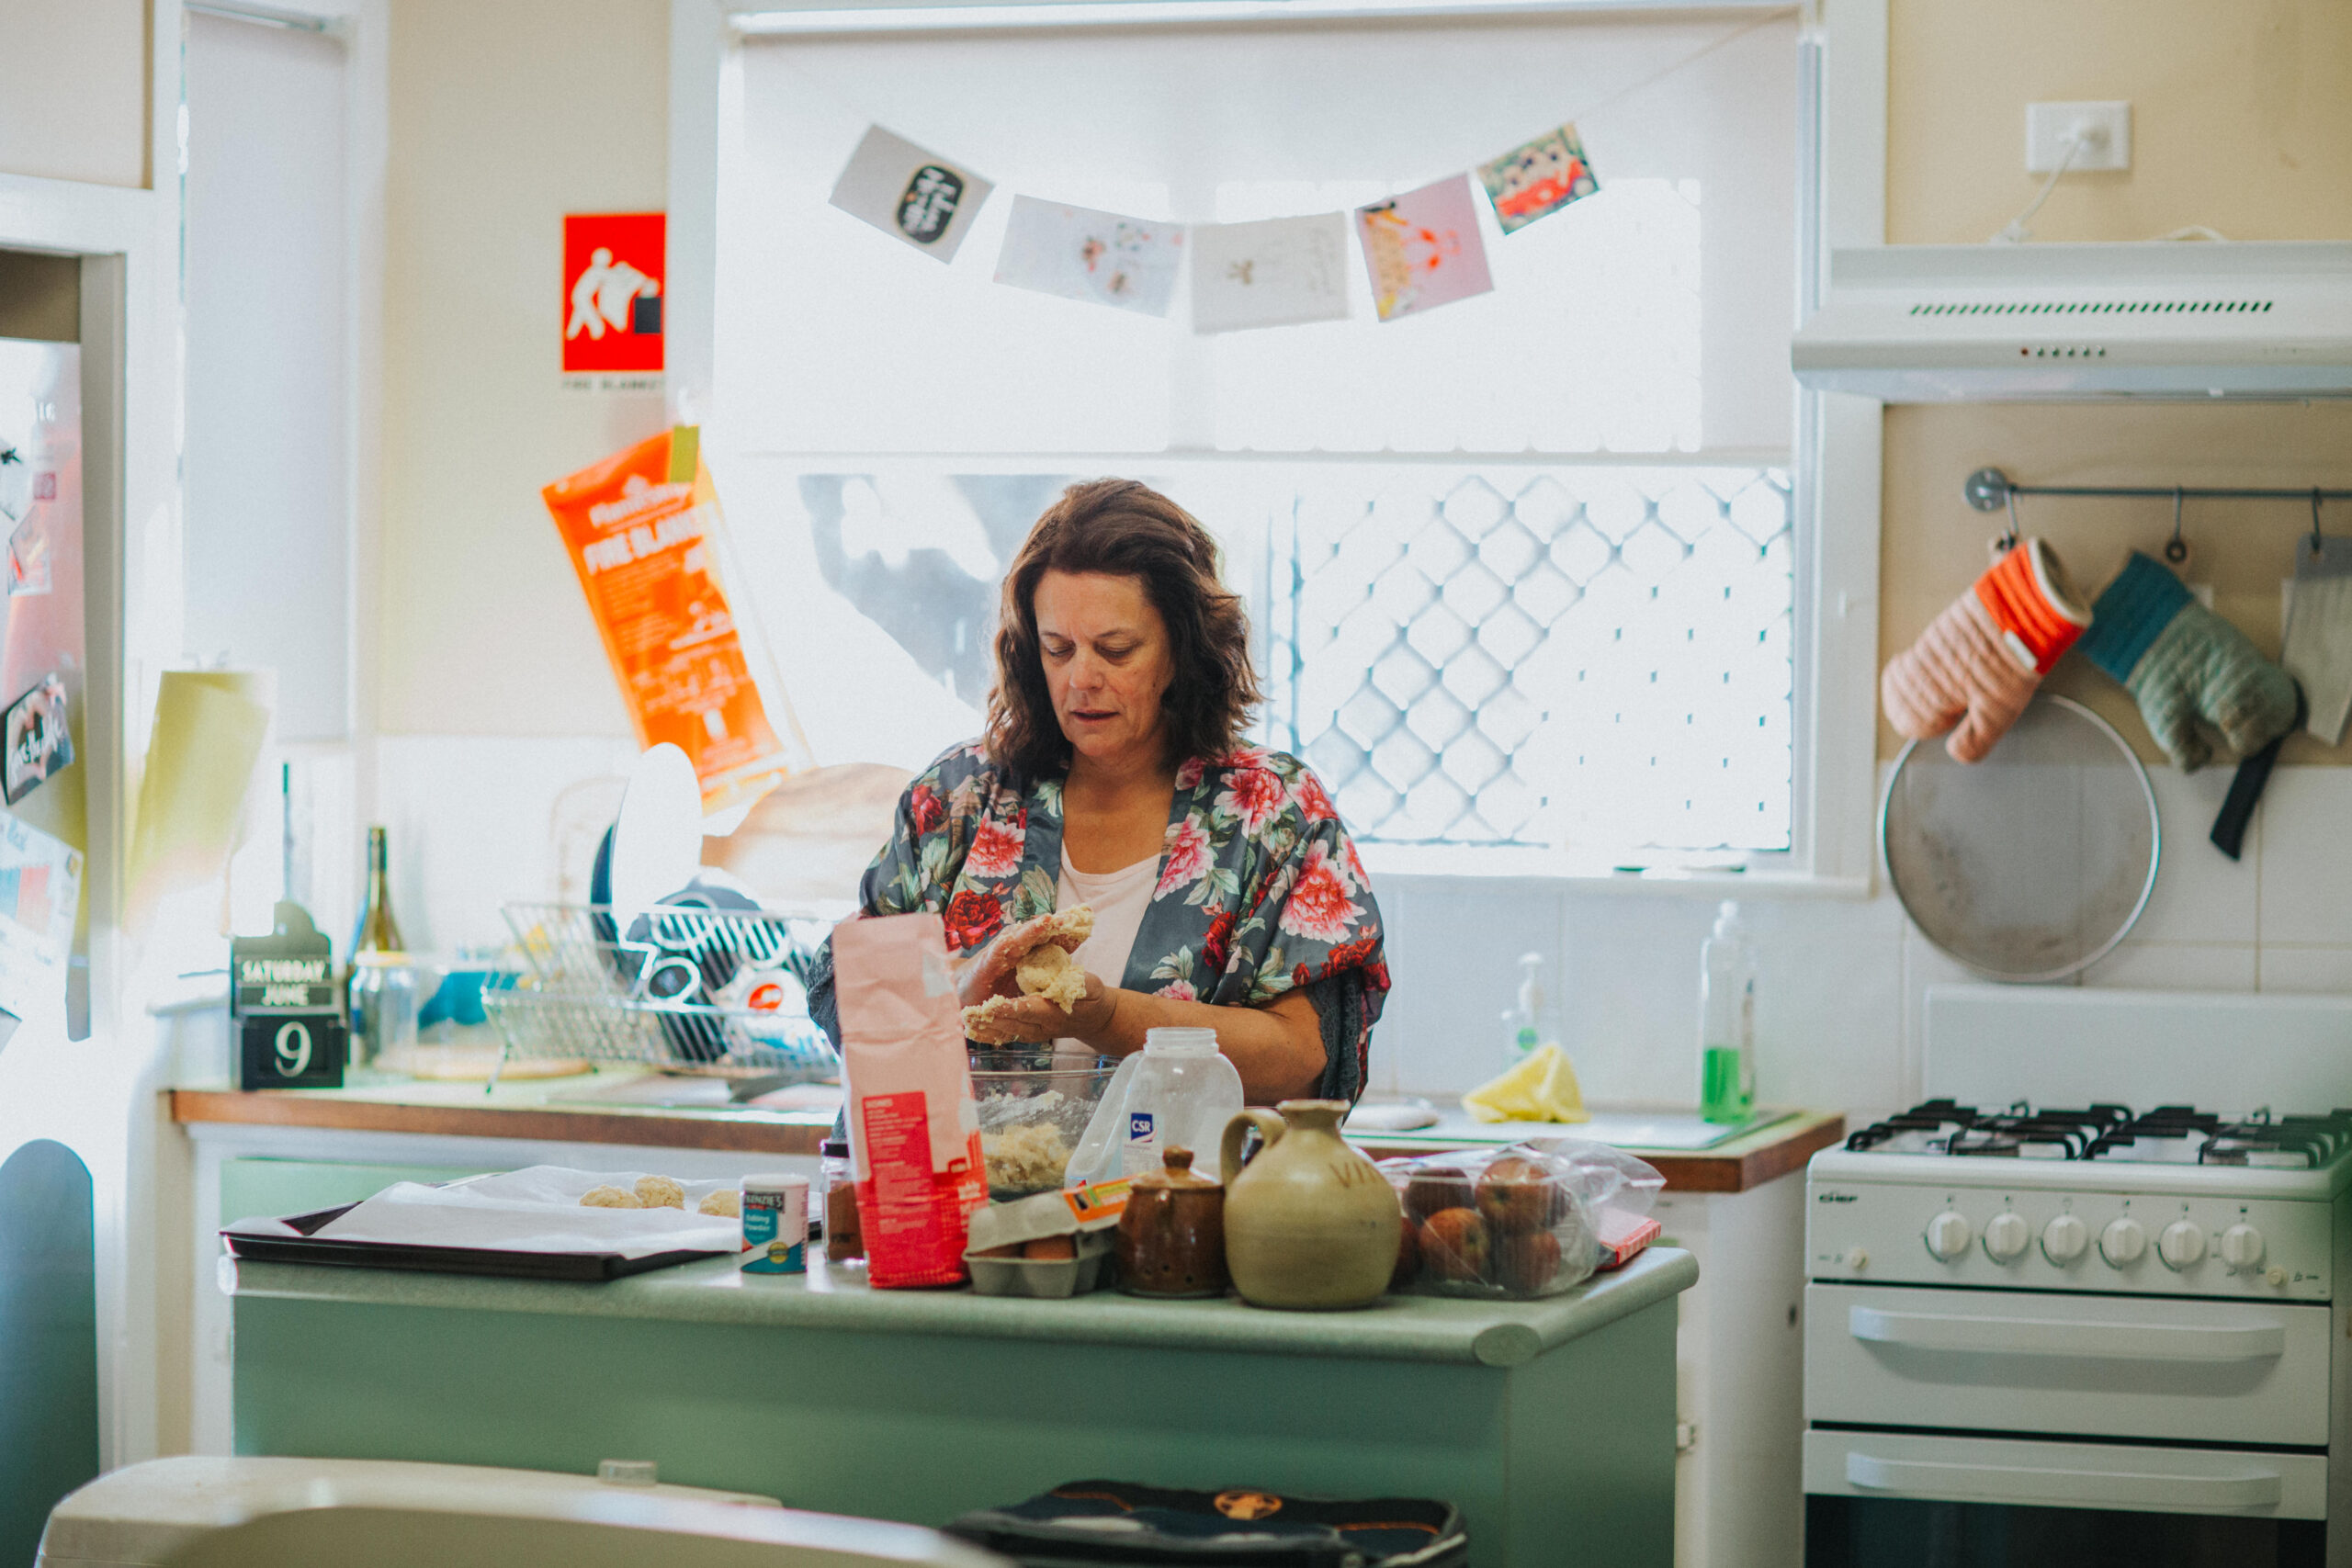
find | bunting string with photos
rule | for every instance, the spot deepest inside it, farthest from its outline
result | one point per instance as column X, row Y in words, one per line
column 1421, row 250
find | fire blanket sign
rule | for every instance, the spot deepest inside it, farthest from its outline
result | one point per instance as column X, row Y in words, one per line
column 612, row 267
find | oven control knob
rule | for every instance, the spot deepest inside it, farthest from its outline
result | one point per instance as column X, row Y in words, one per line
column 2180, row 1245
column 2064, row 1239
column 1949, row 1234
column 2007, row 1237
column 2123, row 1242
column 2241, row 1247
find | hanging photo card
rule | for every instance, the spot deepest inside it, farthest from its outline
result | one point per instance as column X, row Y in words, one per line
column 41, row 889
column 1276, row 273
column 910, row 194
column 1538, row 179
column 1423, row 248
column 1074, row 253
column 39, row 743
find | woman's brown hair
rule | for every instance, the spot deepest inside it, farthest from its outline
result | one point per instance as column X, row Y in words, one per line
column 1120, row 528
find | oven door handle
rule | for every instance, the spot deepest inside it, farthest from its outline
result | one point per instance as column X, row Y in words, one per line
column 2254, row 1488
column 2055, row 1337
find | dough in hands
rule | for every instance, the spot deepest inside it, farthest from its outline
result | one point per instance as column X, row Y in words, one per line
column 1045, row 969
column 995, row 1007
column 608, row 1197
column 660, row 1193
column 1048, row 972
column 726, row 1203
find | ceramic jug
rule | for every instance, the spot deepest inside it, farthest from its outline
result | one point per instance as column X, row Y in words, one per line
column 1310, row 1223
column 1171, row 1233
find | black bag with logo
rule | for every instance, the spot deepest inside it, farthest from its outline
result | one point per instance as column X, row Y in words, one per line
column 1115, row 1524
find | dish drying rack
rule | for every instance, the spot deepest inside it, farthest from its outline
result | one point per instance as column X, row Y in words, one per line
column 670, row 991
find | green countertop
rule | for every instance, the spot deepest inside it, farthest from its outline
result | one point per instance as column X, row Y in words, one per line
column 1401, row 1328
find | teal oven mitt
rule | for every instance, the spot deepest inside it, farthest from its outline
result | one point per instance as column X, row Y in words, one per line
column 2192, row 672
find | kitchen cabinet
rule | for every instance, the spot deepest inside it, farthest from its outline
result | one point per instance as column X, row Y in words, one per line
column 1549, row 1423
column 1737, row 1207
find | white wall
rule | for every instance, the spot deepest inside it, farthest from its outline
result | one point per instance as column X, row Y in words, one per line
column 73, row 90
column 504, row 118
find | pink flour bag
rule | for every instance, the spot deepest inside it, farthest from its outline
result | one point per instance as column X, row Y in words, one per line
column 914, row 1131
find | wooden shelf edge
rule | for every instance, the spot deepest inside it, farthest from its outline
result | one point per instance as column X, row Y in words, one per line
column 252, row 1110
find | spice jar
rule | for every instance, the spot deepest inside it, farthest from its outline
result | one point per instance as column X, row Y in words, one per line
column 1172, row 1234
column 842, row 1240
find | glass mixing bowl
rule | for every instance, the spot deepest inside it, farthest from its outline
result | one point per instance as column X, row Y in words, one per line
column 1035, row 1105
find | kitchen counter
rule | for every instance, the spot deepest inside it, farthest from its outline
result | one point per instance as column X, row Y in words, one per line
column 537, row 1111
column 1550, row 1423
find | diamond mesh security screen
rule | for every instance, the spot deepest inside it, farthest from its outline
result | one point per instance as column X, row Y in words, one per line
column 1589, row 657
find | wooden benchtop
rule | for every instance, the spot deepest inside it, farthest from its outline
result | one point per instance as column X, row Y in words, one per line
column 531, row 1111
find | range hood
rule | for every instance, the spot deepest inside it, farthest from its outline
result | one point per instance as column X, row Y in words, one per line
column 2041, row 322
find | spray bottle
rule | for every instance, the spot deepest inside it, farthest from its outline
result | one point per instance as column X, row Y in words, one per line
column 1727, row 1020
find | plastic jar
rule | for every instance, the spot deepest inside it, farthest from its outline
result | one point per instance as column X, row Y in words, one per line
column 1180, row 1094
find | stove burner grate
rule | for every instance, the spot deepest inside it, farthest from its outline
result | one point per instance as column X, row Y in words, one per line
column 2178, row 1135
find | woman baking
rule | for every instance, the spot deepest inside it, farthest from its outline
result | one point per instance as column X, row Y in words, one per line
column 1226, row 895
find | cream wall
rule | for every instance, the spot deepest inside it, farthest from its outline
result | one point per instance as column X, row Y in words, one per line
column 505, row 116
column 73, row 89
column 2242, row 121
column 2235, row 127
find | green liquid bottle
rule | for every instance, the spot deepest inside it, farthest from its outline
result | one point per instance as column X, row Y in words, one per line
column 1727, row 1021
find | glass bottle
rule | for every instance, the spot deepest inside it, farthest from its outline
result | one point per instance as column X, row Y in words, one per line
column 381, row 986
column 844, row 1240
column 1727, row 1020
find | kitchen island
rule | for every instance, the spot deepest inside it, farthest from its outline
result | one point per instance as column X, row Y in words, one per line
column 1550, row 1424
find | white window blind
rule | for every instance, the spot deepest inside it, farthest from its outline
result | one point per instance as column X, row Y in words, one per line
column 268, row 531
column 1460, row 532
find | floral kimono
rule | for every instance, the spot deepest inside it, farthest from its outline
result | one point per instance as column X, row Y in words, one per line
column 1260, row 890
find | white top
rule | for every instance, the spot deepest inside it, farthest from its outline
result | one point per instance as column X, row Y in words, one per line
column 1120, row 898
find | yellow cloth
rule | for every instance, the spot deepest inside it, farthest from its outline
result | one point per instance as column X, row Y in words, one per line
column 1541, row 1088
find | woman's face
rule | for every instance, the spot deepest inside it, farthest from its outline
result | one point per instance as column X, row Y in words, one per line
column 1107, row 663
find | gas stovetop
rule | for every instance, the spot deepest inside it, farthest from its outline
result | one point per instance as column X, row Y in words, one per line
column 2168, row 1135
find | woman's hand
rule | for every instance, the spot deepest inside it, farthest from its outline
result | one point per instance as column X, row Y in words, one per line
column 1035, row 1021
column 989, row 972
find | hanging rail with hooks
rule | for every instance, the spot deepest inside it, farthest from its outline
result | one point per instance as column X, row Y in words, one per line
column 1990, row 489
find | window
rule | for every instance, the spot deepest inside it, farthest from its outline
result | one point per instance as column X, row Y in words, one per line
column 1521, row 568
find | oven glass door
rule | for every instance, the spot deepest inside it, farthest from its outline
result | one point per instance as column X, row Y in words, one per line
column 1889, row 1532
column 1881, row 1499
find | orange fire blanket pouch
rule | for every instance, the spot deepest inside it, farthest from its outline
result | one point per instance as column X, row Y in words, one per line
column 636, row 525
column 914, row 1131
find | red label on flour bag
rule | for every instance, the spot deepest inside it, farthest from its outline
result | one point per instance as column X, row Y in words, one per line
column 914, row 1131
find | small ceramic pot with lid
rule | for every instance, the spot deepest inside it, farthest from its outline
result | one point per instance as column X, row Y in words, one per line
column 1172, row 1236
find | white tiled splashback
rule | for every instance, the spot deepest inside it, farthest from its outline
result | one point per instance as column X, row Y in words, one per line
column 1841, row 981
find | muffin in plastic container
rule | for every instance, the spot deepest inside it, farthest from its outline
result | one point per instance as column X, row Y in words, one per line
column 1033, row 1106
column 1517, row 1222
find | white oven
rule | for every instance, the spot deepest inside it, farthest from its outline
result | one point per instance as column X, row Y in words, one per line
column 2044, row 1332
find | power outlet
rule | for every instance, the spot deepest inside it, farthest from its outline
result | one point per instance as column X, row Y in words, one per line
column 2106, row 128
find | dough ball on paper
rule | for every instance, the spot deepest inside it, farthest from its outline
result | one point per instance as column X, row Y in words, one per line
column 726, row 1203
column 608, row 1197
column 660, row 1193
